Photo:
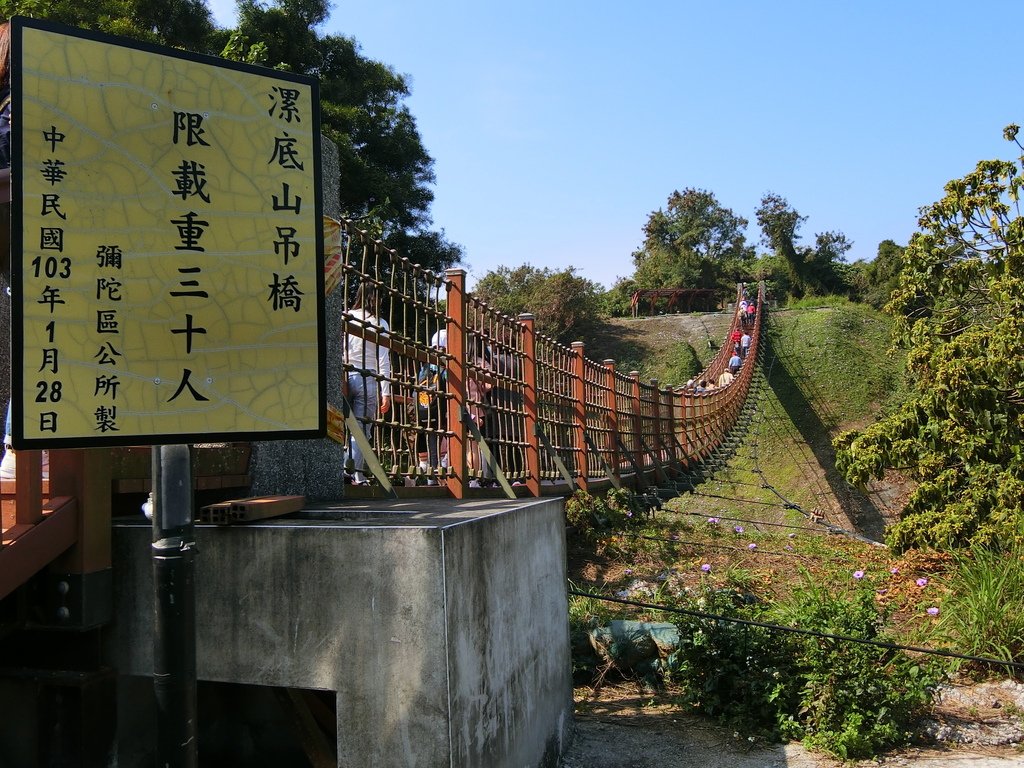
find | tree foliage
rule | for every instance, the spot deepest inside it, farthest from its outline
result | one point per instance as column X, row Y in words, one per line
column 386, row 171
column 178, row 23
column 873, row 282
column 618, row 300
column 695, row 242
column 564, row 304
column 958, row 307
column 818, row 269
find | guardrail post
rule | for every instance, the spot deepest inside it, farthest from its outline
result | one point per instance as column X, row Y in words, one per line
column 637, row 424
column 458, row 478
column 667, row 402
column 613, row 420
column 657, row 445
column 677, row 427
column 579, row 414
column 530, row 403
column 28, row 484
column 85, row 475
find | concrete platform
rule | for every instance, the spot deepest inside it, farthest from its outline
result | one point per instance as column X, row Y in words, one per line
column 442, row 626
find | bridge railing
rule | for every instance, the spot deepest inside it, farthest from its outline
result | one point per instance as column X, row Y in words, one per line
column 515, row 407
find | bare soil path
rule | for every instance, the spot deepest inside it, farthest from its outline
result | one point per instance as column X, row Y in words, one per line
column 621, row 729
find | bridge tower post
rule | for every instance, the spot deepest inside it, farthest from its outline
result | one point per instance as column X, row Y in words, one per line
column 579, row 414
column 458, row 478
column 636, row 425
column 612, row 445
column 530, row 403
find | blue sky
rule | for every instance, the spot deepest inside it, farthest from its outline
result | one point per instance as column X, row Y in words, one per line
column 557, row 127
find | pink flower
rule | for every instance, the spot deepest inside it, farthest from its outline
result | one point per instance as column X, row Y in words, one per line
column 933, row 611
column 738, row 529
column 894, row 571
column 921, row 582
column 706, row 567
column 751, row 546
column 858, row 574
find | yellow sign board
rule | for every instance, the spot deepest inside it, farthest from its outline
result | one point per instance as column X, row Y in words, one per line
column 167, row 245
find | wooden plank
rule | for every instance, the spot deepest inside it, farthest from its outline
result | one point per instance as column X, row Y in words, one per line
column 132, row 486
column 39, row 546
column 8, row 506
column 85, row 474
column 246, row 510
column 144, row 485
column 12, row 534
column 28, row 482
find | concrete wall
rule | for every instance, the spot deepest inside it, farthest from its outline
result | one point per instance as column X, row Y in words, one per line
column 442, row 627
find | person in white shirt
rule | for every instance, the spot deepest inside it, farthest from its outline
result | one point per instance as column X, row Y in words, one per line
column 366, row 363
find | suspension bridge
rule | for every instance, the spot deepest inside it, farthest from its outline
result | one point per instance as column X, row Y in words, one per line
column 466, row 471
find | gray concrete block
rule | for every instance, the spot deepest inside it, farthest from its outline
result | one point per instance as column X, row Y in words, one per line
column 442, row 626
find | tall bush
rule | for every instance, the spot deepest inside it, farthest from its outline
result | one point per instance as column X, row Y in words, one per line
column 848, row 699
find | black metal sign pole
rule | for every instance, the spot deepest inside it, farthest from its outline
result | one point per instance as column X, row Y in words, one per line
column 174, row 627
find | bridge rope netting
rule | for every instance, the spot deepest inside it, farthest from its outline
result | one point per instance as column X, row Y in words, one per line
column 443, row 389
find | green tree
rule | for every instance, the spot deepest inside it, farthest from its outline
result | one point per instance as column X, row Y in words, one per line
column 695, row 242
column 957, row 308
column 818, row 269
column 386, row 171
column 617, row 300
column 564, row 304
column 179, row 23
column 874, row 281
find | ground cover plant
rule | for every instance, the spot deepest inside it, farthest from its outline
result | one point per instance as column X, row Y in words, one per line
column 760, row 542
column 846, row 699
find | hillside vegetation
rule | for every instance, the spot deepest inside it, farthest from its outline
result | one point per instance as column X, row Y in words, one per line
column 827, row 369
column 776, row 537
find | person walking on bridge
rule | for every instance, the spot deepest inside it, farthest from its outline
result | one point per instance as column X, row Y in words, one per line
column 734, row 363
column 366, row 362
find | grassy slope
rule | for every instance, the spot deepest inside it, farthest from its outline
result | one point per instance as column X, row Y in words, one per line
column 827, row 369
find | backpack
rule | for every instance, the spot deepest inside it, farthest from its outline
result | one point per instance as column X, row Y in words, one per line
column 430, row 379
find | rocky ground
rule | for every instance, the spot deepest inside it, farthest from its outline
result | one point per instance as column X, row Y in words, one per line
column 977, row 726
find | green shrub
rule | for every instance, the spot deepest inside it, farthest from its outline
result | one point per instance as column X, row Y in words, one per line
column 592, row 515
column 848, row 699
column 855, row 699
column 740, row 675
column 983, row 612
